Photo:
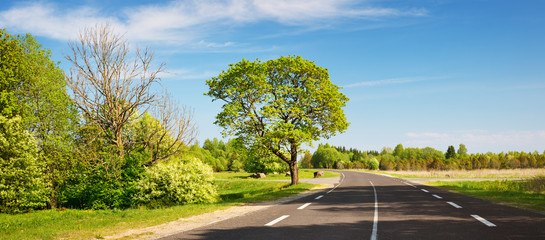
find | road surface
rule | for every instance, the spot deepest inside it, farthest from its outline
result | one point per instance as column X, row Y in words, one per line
column 370, row 206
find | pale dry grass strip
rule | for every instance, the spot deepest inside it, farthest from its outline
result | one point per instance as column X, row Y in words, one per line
column 481, row 173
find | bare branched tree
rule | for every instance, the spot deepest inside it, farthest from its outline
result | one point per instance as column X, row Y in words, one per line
column 178, row 129
column 112, row 86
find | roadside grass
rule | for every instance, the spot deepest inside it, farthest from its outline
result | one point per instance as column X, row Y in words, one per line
column 481, row 173
column 303, row 174
column 525, row 194
column 89, row 224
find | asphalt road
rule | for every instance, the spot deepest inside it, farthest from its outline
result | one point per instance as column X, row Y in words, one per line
column 369, row 206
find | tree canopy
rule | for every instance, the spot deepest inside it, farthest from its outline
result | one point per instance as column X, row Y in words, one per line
column 279, row 105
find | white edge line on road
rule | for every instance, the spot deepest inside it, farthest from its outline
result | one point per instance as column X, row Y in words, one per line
column 342, row 179
column 486, row 222
column 303, row 206
column 321, row 196
column 454, row 205
column 275, row 221
column 424, row 190
column 437, row 196
column 375, row 219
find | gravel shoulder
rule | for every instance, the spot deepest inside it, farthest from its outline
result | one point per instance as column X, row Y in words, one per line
column 186, row 224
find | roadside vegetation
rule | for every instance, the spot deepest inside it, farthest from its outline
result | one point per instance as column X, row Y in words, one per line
column 529, row 193
column 303, row 174
column 88, row 224
column 420, row 159
column 480, row 173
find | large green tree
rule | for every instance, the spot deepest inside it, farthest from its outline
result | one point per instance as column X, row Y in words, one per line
column 10, row 60
column 279, row 105
column 33, row 87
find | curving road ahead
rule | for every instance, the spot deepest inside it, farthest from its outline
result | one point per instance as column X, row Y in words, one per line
column 370, row 206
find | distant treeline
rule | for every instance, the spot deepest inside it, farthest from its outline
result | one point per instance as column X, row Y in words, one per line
column 400, row 158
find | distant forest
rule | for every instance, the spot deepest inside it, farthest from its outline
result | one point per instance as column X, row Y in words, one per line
column 428, row 158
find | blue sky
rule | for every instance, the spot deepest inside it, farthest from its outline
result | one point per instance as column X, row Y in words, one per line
column 420, row 73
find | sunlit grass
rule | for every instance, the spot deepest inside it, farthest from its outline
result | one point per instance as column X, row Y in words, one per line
column 88, row 224
column 528, row 194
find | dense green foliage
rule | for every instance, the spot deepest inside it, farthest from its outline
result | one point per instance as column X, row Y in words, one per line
column 176, row 182
column 278, row 105
column 233, row 155
column 422, row 159
column 33, row 87
column 54, row 156
column 22, row 180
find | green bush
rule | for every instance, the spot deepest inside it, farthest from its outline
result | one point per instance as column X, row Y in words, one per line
column 373, row 164
column 176, row 182
column 265, row 164
column 22, row 181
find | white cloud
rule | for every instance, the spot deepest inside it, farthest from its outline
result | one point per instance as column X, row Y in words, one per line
column 186, row 74
column 392, row 81
column 185, row 20
column 48, row 20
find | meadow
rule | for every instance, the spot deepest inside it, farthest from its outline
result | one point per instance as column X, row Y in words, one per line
column 529, row 193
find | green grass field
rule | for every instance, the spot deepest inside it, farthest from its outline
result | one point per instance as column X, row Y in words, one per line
column 88, row 224
column 526, row 194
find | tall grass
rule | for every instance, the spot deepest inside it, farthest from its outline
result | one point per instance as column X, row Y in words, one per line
column 528, row 194
column 481, row 173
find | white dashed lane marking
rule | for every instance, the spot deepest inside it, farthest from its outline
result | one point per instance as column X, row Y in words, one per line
column 277, row 220
column 319, row 197
column 454, row 205
column 437, row 196
column 424, row 190
column 484, row 221
column 303, row 206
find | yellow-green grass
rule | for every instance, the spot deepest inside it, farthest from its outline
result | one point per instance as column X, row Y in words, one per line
column 525, row 194
column 303, row 174
column 88, row 224
column 481, row 173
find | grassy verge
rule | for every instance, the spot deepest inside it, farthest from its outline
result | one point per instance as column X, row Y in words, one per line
column 87, row 224
column 482, row 173
column 303, row 174
column 526, row 194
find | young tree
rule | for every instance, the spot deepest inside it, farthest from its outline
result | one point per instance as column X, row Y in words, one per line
column 279, row 105
column 22, row 183
column 451, row 152
column 398, row 150
column 462, row 150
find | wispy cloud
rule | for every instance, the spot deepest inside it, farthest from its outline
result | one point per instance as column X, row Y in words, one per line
column 183, row 21
column 392, row 81
column 186, row 74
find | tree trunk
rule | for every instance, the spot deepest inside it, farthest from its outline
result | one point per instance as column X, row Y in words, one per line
column 294, row 172
column 293, row 165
